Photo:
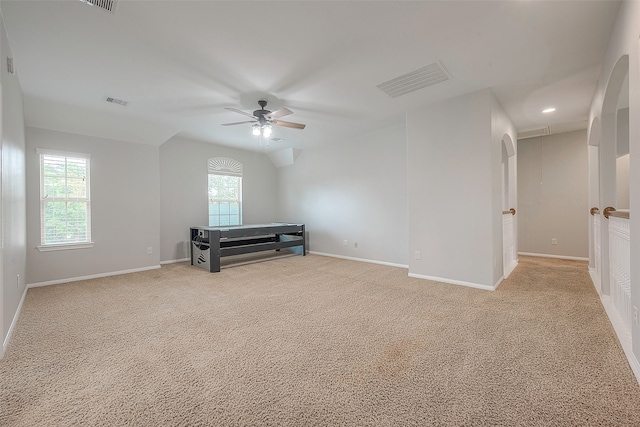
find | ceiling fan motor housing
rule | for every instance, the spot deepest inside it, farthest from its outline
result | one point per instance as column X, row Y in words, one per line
column 260, row 114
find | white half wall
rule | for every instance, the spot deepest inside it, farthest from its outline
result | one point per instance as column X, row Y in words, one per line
column 354, row 190
column 183, row 183
column 125, row 207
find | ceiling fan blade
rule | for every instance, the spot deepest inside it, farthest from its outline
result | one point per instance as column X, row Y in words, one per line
column 238, row 123
column 235, row 110
column 289, row 124
column 284, row 111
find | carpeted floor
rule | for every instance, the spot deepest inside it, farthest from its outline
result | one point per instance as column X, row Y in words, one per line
column 317, row 341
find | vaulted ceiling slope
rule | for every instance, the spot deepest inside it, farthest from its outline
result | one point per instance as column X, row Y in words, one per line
column 178, row 64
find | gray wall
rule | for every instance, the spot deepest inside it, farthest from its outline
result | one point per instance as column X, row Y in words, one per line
column 125, row 201
column 355, row 190
column 454, row 191
column 12, row 217
column 183, row 182
column 553, row 194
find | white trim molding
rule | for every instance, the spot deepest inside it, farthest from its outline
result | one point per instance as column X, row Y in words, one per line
column 65, row 247
column 173, row 261
column 14, row 322
column 457, row 282
column 574, row 258
column 371, row 261
column 92, row 276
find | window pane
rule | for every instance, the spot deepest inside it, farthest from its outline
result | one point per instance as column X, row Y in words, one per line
column 76, row 168
column 55, row 187
column 54, row 165
column 76, row 221
column 55, row 222
column 225, row 200
column 76, row 188
column 65, row 207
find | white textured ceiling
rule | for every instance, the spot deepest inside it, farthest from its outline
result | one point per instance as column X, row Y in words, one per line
column 179, row 63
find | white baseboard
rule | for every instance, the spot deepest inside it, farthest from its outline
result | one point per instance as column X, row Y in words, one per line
column 92, row 276
column 173, row 261
column 457, row 282
column 390, row 264
column 574, row 258
column 14, row 322
column 511, row 268
column 594, row 279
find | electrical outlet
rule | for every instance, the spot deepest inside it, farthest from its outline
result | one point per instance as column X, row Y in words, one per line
column 417, row 255
column 345, row 243
column 355, row 245
column 149, row 250
column 554, row 241
column 635, row 315
column 17, row 281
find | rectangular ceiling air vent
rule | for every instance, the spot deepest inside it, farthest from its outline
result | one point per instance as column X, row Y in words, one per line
column 531, row 133
column 418, row 79
column 10, row 68
column 118, row 101
column 108, row 5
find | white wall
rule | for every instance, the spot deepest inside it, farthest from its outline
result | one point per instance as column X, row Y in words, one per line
column 624, row 41
column 554, row 195
column 454, row 191
column 353, row 190
column 125, row 201
column 12, row 214
column 183, row 183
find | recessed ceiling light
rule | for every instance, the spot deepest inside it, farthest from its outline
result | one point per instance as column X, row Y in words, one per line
column 549, row 110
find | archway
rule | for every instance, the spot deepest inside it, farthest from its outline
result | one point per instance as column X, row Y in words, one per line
column 509, row 235
column 608, row 154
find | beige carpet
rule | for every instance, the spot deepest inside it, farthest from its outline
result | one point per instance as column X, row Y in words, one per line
column 316, row 341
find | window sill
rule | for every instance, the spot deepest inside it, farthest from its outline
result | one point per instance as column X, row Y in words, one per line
column 65, row 247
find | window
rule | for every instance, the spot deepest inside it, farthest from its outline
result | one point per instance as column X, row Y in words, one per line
column 225, row 192
column 65, row 208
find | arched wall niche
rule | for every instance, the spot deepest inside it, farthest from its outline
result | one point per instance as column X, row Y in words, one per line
column 607, row 157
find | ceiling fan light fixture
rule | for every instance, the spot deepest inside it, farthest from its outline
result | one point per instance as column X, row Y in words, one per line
column 256, row 129
column 266, row 130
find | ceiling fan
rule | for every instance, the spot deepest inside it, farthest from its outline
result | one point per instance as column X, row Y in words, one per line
column 264, row 119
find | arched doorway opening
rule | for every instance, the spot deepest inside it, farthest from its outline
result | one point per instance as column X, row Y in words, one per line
column 509, row 235
column 613, row 151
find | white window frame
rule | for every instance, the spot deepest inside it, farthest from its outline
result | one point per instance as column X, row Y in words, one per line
column 44, row 199
column 225, row 166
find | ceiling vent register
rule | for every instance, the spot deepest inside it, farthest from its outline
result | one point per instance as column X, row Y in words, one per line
column 117, row 101
column 108, row 5
column 532, row 133
column 423, row 77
